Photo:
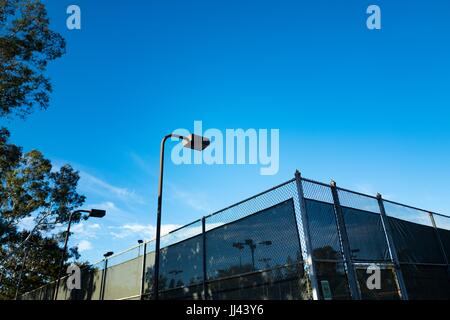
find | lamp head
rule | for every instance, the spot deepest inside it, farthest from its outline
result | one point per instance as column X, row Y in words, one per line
column 96, row 213
column 196, row 142
column 108, row 254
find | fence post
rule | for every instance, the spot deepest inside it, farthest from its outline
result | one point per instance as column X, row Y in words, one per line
column 441, row 244
column 307, row 237
column 144, row 261
column 392, row 249
column 102, row 291
column 205, row 275
column 351, row 275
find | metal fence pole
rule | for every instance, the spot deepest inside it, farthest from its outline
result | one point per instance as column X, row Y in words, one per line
column 102, row 291
column 441, row 244
column 205, row 275
column 307, row 236
column 144, row 261
column 351, row 274
column 392, row 249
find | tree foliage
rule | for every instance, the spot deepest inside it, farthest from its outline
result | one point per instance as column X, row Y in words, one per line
column 32, row 191
column 35, row 198
column 27, row 44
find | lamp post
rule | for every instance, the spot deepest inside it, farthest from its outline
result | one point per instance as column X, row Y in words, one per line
column 140, row 242
column 240, row 247
column 91, row 213
column 193, row 142
column 252, row 245
column 103, row 283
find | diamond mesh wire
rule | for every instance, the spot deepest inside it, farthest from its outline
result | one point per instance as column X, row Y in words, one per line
column 123, row 280
column 149, row 268
column 254, row 204
column 267, row 199
column 91, row 278
column 124, row 256
column 443, row 227
column 406, row 213
column 317, row 191
column 252, row 243
column 248, row 209
column 414, row 236
column 188, row 231
column 358, row 201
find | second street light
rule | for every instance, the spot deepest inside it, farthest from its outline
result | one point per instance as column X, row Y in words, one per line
column 193, row 142
column 95, row 213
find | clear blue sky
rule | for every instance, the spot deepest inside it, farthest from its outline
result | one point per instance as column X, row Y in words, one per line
column 370, row 109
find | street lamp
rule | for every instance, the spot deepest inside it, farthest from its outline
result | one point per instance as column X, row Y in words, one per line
column 193, row 142
column 103, row 283
column 140, row 242
column 95, row 213
column 252, row 245
column 240, row 247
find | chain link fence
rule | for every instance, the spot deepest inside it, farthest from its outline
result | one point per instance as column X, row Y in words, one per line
column 302, row 239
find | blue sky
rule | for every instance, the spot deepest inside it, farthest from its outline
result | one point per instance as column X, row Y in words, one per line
column 369, row 109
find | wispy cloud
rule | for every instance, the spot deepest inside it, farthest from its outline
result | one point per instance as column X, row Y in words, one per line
column 196, row 200
column 143, row 164
column 93, row 185
column 168, row 233
column 136, row 230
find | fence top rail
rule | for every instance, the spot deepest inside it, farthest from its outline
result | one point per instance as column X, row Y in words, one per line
column 115, row 255
column 185, row 226
column 415, row 208
column 250, row 198
column 315, row 182
column 374, row 197
column 357, row 193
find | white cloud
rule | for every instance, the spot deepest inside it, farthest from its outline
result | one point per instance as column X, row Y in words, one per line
column 86, row 230
column 84, row 245
column 93, row 185
column 148, row 232
column 109, row 206
column 145, row 232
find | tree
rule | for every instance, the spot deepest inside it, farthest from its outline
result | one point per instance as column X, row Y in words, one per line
column 27, row 44
column 34, row 264
column 31, row 190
